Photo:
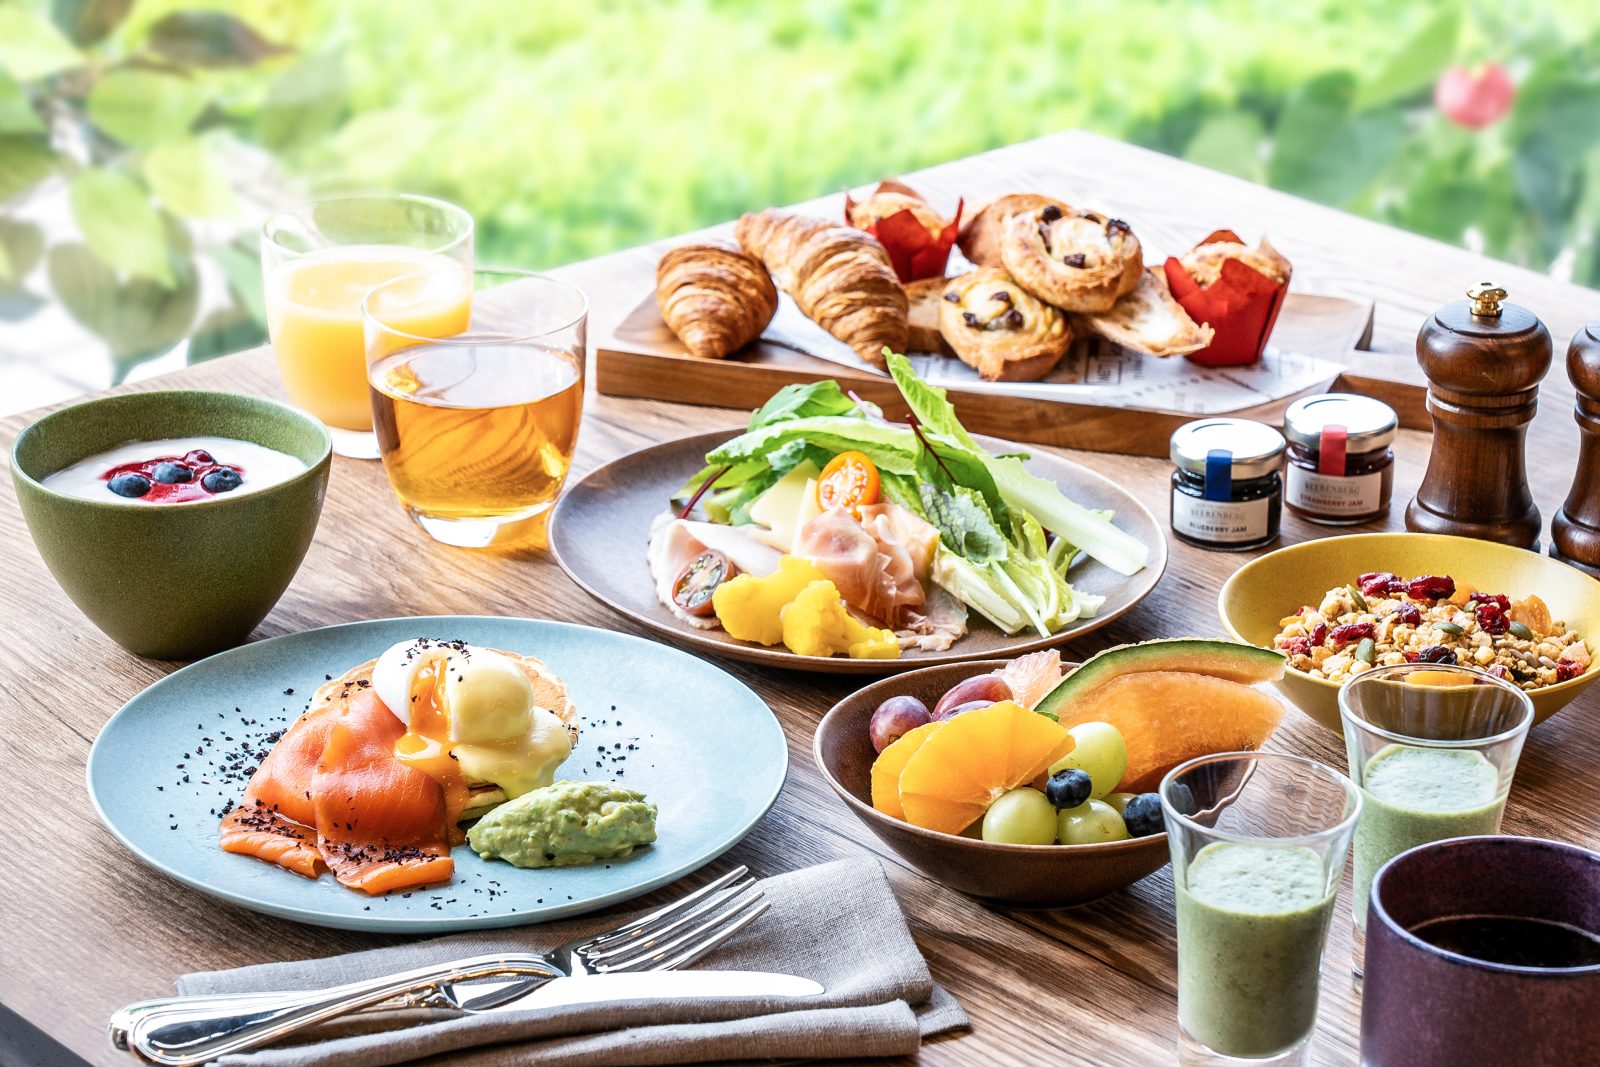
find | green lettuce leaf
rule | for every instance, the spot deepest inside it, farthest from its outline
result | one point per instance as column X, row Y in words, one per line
column 803, row 402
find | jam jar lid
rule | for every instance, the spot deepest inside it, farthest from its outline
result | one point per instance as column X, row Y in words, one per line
column 1256, row 449
column 1369, row 424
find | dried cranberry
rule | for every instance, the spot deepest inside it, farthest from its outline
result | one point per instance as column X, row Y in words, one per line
column 1497, row 671
column 1431, row 587
column 1379, row 583
column 1500, row 600
column 1491, row 620
column 1566, row 670
column 1297, row 646
column 1409, row 614
column 1319, row 633
column 1433, row 654
column 1351, row 632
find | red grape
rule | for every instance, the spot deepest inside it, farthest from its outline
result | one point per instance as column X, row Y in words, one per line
column 971, row 705
column 989, row 688
column 895, row 718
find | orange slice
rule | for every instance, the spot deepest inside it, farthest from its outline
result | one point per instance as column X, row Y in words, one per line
column 956, row 773
column 890, row 762
column 1167, row 717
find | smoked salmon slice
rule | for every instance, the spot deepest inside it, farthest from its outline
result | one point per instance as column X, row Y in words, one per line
column 332, row 795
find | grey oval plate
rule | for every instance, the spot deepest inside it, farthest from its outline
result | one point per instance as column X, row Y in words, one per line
column 601, row 526
column 687, row 721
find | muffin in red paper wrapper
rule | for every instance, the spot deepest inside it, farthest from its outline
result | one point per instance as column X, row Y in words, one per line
column 917, row 238
column 1236, row 290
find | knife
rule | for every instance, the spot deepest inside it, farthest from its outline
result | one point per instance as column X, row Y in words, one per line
column 179, row 1034
column 529, row 994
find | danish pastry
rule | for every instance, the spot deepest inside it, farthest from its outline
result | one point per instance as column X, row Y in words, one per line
column 999, row 330
column 714, row 297
column 1077, row 260
column 839, row 276
column 980, row 235
column 1150, row 320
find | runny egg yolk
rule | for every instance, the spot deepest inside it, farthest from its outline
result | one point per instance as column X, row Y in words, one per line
column 426, row 743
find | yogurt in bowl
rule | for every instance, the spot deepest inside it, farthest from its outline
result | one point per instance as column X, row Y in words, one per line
column 180, row 470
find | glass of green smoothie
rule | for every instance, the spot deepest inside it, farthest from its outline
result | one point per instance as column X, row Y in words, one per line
column 1433, row 748
column 1259, row 841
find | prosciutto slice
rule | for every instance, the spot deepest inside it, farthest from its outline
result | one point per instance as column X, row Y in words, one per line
column 881, row 562
column 674, row 542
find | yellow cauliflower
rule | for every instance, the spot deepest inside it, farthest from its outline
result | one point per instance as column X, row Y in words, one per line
column 817, row 624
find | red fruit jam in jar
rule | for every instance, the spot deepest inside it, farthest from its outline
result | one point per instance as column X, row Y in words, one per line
column 1340, row 469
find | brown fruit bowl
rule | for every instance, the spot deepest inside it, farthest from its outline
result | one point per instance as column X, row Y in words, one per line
column 1021, row 876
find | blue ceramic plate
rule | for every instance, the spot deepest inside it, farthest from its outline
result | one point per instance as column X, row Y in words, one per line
column 667, row 722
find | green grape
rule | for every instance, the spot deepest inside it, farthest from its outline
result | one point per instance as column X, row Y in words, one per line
column 1100, row 753
column 1119, row 801
column 1021, row 817
column 1090, row 823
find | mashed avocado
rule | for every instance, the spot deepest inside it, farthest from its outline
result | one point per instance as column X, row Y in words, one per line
column 566, row 824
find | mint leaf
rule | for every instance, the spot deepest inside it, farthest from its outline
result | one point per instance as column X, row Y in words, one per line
column 964, row 523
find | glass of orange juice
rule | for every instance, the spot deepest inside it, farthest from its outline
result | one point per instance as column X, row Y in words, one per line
column 477, row 429
column 319, row 263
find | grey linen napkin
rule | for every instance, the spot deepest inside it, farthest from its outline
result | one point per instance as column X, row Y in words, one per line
column 837, row 923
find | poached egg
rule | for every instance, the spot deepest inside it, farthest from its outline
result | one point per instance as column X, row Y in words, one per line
column 471, row 717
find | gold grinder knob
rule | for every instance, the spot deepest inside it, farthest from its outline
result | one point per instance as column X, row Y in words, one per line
column 1486, row 297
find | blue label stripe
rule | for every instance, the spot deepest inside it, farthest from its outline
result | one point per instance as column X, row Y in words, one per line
column 1219, row 474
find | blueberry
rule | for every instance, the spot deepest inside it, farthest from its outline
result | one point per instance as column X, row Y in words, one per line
column 169, row 473
column 1069, row 788
column 1143, row 815
column 129, row 485
column 222, row 480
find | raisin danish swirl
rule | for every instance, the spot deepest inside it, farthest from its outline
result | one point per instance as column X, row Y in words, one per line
column 715, row 298
column 1077, row 260
column 999, row 330
column 839, row 276
column 983, row 229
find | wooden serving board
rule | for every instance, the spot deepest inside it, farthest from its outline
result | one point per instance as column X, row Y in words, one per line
column 641, row 358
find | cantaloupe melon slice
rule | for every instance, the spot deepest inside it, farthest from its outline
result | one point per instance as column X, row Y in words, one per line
column 1229, row 660
column 890, row 762
column 950, row 781
column 1168, row 717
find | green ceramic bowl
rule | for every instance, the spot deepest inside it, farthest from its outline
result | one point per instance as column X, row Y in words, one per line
column 1267, row 589
column 178, row 581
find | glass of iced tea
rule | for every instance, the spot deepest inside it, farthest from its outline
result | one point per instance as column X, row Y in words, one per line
column 477, row 429
column 320, row 262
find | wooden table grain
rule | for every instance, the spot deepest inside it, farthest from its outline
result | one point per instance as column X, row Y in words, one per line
column 86, row 927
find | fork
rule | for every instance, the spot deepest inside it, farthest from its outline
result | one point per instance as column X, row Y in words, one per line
column 194, row 1029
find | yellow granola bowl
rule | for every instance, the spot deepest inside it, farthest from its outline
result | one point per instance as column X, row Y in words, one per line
column 1266, row 589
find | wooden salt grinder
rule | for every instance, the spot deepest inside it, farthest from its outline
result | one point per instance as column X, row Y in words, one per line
column 1576, row 527
column 1484, row 361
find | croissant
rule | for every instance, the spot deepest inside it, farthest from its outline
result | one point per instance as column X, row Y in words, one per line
column 714, row 298
column 839, row 276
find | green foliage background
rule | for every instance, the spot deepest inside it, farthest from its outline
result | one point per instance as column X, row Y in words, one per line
column 570, row 130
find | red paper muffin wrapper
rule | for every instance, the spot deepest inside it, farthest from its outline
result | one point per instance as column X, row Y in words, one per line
column 915, row 253
column 1241, row 306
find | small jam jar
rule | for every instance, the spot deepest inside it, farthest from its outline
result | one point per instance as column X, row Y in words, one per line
column 1341, row 468
column 1226, row 491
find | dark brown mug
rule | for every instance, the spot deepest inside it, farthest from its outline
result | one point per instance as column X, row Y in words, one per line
column 1425, row 1006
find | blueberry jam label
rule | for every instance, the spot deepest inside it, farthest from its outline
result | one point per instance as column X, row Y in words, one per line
column 1339, row 497
column 1221, row 521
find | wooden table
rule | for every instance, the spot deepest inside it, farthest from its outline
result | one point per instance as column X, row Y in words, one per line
column 86, row 927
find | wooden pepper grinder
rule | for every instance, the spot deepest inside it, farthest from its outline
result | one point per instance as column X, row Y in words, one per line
column 1484, row 361
column 1576, row 527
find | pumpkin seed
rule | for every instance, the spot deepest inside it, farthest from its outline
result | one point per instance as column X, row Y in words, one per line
column 1449, row 628
column 1360, row 601
column 1366, row 651
column 1520, row 630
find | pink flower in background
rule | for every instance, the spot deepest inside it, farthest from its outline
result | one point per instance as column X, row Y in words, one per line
column 1475, row 98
